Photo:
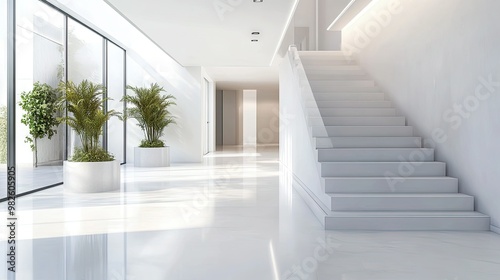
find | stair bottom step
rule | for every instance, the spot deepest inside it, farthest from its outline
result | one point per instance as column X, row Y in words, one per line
column 407, row 221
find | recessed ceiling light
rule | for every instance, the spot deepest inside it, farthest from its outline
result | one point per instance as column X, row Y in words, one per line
column 256, row 33
column 255, row 40
column 258, row 1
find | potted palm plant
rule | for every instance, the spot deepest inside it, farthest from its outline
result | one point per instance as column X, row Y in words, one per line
column 151, row 110
column 91, row 168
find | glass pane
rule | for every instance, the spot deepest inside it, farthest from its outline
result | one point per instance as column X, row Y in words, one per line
column 40, row 59
column 116, row 90
column 85, row 54
column 85, row 62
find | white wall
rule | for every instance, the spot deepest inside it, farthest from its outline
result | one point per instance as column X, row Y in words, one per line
column 230, row 115
column 249, row 117
column 264, row 112
column 296, row 145
column 207, row 102
column 239, row 112
column 219, row 117
column 328, row 10
column 317, row 15
column 439, row 63
column 305, row 16
column 268, row 116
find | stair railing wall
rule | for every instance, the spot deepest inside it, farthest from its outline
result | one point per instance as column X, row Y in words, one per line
column 297, row 145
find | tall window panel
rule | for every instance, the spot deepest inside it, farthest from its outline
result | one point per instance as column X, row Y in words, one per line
column 116, row 90
column 85, row 62
column 3, row 99
column 39, row 59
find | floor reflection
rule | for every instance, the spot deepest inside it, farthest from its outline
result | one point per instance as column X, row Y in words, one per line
column 230, row 217
column 30, row 178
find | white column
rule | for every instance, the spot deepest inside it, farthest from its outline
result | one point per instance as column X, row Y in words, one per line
column 249, row 117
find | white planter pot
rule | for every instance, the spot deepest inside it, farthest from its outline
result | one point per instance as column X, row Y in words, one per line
column 152, row 157
column 91, row 177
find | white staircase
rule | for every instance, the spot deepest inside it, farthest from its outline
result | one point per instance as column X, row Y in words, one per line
column 374, row 170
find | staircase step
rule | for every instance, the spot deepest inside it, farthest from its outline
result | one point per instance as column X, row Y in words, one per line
column 396, row 171
column 371, row 112
column 323, row 54
column 361, row 131
column 374, row 171
column 350, row 104
column 349, row 96
column 350, row 68
column 333, row 84
column 343, row 89
column 352, row 121
column 336, row 60
column 382, row 220
column 368, row 142
column 319, row 61
column 375, row 155
column 385, row 185
column 336, row 75
column 402, row 202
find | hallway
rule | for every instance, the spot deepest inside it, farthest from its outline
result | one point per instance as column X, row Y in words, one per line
column 234, row 217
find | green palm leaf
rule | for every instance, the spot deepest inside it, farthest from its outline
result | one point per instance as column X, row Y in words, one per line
column 150, row 109
column 85, row 106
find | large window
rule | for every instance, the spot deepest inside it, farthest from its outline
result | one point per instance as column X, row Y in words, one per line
column 39, row 58
column 3, row 98
column 85, row 62
column 116, row 90
column 52, row 47
column 85, row 54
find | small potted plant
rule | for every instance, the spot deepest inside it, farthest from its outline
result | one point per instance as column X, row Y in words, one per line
column 91, row 168
column 151, row 110
column 40, row 115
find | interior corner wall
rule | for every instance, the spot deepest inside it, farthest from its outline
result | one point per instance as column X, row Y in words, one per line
column 268, row 117
column 439, row 63
column 328, row 10
column 305, row 17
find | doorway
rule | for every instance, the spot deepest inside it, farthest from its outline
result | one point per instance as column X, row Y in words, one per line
column 209, row 113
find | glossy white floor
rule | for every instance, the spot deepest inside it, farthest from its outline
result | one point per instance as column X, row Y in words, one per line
column 233, row 217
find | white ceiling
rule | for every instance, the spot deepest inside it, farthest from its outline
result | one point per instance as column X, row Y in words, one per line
column 212, row 33
column 260, row 78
